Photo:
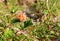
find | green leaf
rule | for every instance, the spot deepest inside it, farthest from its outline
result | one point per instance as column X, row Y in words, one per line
column 15, row 20
column 8, row 34
column 52, row 32
column 57, row 28
column 27, row 23
column 14, row 9
column 46, row 12
column 18, row 26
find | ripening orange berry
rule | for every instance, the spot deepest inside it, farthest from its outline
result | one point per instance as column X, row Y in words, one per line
column 22, row 16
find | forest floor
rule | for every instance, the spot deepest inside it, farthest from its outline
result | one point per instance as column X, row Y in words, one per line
column 29, row 20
